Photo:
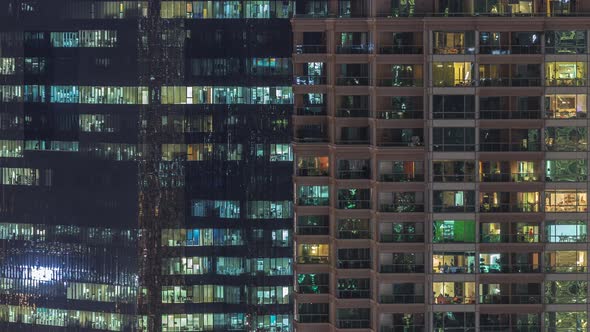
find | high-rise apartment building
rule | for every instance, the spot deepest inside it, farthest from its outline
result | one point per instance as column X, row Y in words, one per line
column 145, row 165
column 441, row 152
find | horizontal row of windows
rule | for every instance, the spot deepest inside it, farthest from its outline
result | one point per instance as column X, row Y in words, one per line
column 101, row 292
column 84, row 38
column 226, row 95
column 573, row 170
column 221, row 237
column 443, row 321
column 231, row 209
column 444, row 8
column 13, row 176
column 229, row 152
column 230, row 266
column 227, row 9
column 226, row 294
column 561, row 261
column 238, row 66
column 447, row 200
column 128, row 95
column 225, row 322
column 126, row 152
column 67, row 233
column 455, row 139
column 71, row 318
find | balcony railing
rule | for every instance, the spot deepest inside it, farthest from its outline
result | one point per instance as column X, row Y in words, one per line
column 354, row 204
column 507, row 207
column 493, row 147
column 313, row 259
column 314, row 201
column 352, row 112
column 318, row 110
column 397, row 177
column 401, row 298
column 510, row 177
column 454, row 178
column 506, row 238
column 509, row 49
column 453, row 300
column 354, row 264
column 400, row 82
column 508, row 81
column 449, row 208
column 352, row 80
column 515, row 114
column 353, row 324
column 398, row 208
column 510, row 268
column 563, row 268
column 353, row 174
column 510, row 299
column 354, row 294
column 309, row 80
column 394, row 115
column 311, row 139
column 356, row 141
column 401, row 238
column 401, row 49
column 313, row 230
column 354, row 49
column 446, row 269
column 312, row 172
column 306, row 49
column 566, row 82
column 401, row 268
column 354, row 234
column 455, row 83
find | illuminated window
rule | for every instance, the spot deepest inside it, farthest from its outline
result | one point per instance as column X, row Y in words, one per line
column 7, row 66
column 220, row 209
column 313, row 253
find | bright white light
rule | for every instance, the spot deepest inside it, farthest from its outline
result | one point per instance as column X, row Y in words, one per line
column 40, row 273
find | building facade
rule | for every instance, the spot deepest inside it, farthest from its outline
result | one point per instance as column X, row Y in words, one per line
column 441, row 165
column 145, row 165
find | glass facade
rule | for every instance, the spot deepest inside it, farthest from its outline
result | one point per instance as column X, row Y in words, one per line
column 145, row 166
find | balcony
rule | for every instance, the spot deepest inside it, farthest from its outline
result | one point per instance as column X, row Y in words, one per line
column 315, row 110
column 312, row 166
column 401, row 299
column 401, row 82
column 398, row 115
column 354, row 49
column 401, row 263
column 391, row 137
column 516, row 207
column 401, row 49
column 498, row 140
column 401, row 268
column 353, row 204
column 453, row 292
column 401, row 208
column 311, row 134
column 352, row 112
column 352, row 80
column 401, row 232
column 505, row 115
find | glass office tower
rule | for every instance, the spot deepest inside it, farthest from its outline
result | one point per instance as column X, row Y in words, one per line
column 441, row 165
column 146, row 165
